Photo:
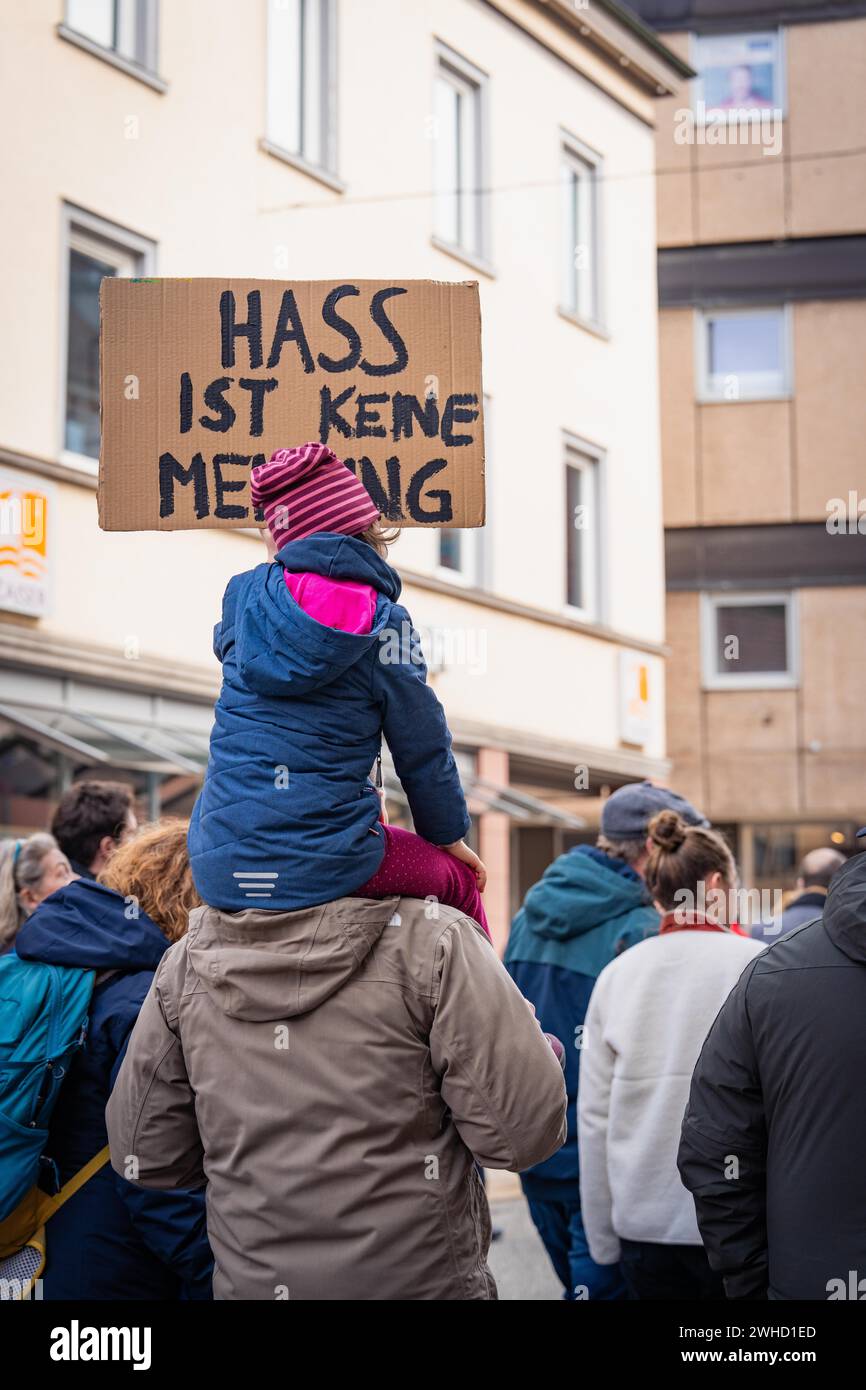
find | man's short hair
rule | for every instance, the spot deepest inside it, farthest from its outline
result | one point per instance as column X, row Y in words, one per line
column 629, row 850
column 86, row 814
column 819, row 865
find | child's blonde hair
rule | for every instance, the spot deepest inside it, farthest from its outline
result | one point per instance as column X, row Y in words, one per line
column 379, row 536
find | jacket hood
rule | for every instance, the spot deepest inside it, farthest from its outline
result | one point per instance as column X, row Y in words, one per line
column 259, row 965
column 845, row 912
column 280, row 649
column 582, row 890
column 341, row 557
column 85, row 924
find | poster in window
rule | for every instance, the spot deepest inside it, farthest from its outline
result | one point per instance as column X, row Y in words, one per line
column 738, row 72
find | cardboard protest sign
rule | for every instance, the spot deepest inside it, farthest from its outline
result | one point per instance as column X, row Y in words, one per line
column 203, row 379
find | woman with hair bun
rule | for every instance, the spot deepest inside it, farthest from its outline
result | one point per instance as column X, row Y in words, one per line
column 650, row 1011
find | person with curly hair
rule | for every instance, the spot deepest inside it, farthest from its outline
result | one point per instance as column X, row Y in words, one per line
column 111, row 1240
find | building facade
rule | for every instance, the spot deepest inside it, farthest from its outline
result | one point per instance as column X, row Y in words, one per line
column 762, row 285
column 508, row 142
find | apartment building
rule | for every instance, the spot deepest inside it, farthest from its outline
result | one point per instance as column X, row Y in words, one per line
column 510, row 142
column 762, row 287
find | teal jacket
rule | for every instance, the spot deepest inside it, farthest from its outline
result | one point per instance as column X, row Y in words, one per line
column 586, row 909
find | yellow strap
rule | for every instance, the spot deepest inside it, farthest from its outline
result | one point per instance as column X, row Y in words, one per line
column 35, row 1207
column 50, row 1205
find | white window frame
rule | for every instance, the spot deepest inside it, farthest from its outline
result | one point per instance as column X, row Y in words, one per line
column 589, row 459
column 475, row 568
column 708, row 394
column 93, row 236
column 471, row 552
column 472, row 83
column 696, row 41
column 712, row 678
column 577, row 156
column 147, row 19
column 324, row 162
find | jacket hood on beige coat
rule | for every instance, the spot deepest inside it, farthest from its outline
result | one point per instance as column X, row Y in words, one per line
column 332, row 1074
column 257, row 966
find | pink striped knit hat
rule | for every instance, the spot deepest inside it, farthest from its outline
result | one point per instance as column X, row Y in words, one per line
column 306, row 490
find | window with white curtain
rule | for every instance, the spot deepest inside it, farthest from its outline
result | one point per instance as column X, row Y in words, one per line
column 580, row 234
column 301, row 80
column 582, row 526
column 124, row 27
column 458, row 141
column 744, row 353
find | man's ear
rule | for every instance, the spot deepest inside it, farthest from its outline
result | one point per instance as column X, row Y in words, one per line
column 107, row 846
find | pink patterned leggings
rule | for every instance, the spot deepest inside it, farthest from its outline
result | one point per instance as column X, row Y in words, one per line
column 413, row 868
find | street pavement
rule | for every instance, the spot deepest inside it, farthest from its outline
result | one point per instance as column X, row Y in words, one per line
column 518, row 1260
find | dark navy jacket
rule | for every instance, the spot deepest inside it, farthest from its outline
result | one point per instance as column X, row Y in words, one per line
column 585, row 910
column 287, row 816
column 779, row 1083
column 111, row 1240
column 806, row 907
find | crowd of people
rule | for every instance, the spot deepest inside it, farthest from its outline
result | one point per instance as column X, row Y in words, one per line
column 72, row 892
column 269, row 1054
column 715, row 1125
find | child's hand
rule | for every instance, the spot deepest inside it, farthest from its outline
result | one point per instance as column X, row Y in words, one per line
column 461, row 851
column 556, row 1046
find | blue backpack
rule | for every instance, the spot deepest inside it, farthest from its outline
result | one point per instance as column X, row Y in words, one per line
column 43, row 1023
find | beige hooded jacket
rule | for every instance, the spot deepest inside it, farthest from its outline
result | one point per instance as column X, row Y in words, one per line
column 330, row 1074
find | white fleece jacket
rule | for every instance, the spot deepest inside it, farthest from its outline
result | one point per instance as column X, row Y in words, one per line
column 649, row 1013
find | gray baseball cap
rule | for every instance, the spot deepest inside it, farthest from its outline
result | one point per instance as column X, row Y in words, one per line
column 629, row 810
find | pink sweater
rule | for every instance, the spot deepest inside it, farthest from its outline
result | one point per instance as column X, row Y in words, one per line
column 339, row 603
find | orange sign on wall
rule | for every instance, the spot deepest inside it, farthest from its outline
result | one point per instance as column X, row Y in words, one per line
column 635, row 703
column 25, row 505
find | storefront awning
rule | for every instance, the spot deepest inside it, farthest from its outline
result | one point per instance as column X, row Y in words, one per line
column 519, row 805
column 522, row 806
column 162, row 749
column 136, row 745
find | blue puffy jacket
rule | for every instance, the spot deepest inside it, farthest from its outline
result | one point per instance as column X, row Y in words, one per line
column 287, row 816
column 111, row 1240
column 585, row 910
